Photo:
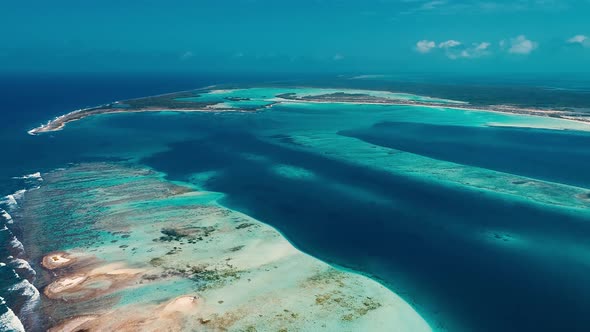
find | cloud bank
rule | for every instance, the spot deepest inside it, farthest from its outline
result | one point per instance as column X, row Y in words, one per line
column 519, row 45
column 454, row 49
column 522, row 45
column 449, row 44
column 579, row 40
column 425, row 46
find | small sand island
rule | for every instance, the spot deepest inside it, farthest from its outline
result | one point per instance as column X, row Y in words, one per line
column 235, row 100
column 57, row 260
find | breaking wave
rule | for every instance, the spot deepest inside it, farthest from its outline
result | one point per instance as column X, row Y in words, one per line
column 25, row 289
column 17, row 246
column 11, row 201
column 7, row 217
column 22, row 268
column 8, row 320
column 32, row 176
column 19, row 295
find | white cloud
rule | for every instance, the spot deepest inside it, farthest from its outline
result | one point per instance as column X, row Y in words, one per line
column 465, row 7
column 522, row 45
column 455, row 49
column 421, row 6
column 577, row 39
column 449, row 44
column 338, row 57
column 432, row 4
column 476, row 50
column 367, row 76
column 446, row 7
column 482, row 46
column 425, row 46
column 187, row 55
column 580, row 39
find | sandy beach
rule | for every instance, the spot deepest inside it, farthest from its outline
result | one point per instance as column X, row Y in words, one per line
column 98, row 281
column 57, row 260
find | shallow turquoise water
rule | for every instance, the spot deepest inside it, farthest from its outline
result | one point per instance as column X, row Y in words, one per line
column 466, row 222
column 265, row 96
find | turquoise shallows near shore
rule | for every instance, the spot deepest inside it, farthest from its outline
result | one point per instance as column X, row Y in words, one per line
column 145, row 253
column 262, row 95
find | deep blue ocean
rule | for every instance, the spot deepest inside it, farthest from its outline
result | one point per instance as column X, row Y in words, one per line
column 407, row 239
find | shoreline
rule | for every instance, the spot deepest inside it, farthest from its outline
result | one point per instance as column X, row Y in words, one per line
column 502, row 109
column 61, row 121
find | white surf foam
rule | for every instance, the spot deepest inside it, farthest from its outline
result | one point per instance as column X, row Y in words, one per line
column 25, row 288
column 16, row 244
column 32, row 176
column 41, row 127
column 19, row 263
column 6, row 216
column 19, row 194
column 11, row 201
column 220, row 91
column 9, row 321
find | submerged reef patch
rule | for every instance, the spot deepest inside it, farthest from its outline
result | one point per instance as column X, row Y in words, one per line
column 153, row 246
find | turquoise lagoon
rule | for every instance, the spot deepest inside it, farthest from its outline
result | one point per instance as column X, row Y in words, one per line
column 471, row 220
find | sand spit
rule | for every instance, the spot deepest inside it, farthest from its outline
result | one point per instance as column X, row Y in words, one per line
column 60, row 122
column 99, row 281
column 173, row 316
column 64, row 284
column 183, row 304
column 57, row 260
column 73, row 324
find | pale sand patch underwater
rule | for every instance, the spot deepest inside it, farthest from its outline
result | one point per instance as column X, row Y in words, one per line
column 331, row 145
column 88, row 283
column 73, row 324
column 231, row 272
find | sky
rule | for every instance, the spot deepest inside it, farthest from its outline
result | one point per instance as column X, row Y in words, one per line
column 315, row 36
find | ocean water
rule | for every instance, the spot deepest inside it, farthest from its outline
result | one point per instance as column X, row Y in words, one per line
column 477, row 227
column 535, row 153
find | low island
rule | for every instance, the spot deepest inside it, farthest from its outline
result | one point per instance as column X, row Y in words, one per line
column 257, row 99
